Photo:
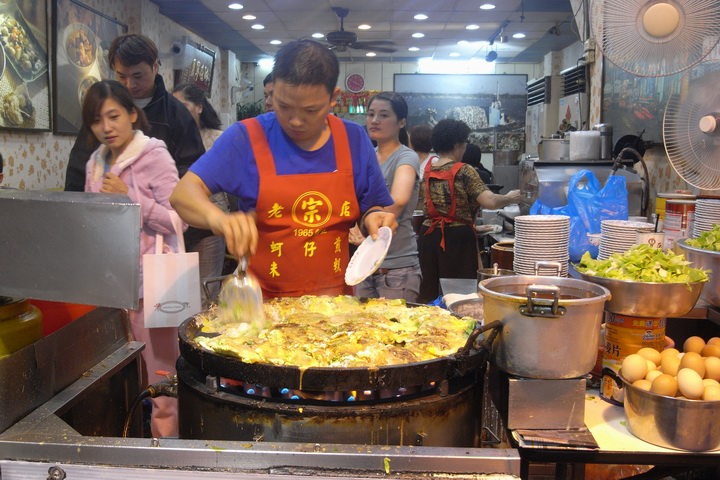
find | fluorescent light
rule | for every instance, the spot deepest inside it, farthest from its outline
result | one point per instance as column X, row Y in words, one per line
column 275, row 42
column 318, row 35
column 472, row 26
column 413, row 49
column 266, row 63
column 257, row 26
column 518, row 35
column 364, row 26
column 370, row 54
column 235, row 6
column 420, row 16
column 463, row 43
column 249, row 17
column 487, row 6
column 454, row 54
column 418, row 35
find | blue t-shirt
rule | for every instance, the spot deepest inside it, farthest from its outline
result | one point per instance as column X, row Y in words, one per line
column 229, row 166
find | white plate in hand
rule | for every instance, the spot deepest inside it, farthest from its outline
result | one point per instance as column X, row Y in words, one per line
column 368, row 257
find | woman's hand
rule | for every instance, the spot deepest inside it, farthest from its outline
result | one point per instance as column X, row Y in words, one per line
column 112, row 184
column 513, row 196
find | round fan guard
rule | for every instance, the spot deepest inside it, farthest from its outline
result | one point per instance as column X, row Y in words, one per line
column 638, row 35
column 691, row 131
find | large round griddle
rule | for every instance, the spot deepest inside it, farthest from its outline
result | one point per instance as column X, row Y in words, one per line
column 469, row 359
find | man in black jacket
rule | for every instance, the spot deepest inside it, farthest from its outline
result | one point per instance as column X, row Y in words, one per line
column 135, row 61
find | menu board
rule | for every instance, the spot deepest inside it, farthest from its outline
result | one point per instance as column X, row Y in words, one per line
column 24, row 78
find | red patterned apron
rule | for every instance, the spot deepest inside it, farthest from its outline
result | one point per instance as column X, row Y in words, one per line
column 436, row 217
column 303, row 221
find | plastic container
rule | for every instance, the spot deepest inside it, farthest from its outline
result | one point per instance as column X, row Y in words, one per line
column 625, row 335
column 679, row 220
column 20, row 324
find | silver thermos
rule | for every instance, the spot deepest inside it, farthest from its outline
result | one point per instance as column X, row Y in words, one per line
column 606, row 145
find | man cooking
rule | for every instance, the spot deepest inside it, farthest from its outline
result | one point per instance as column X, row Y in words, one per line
column 302, row 177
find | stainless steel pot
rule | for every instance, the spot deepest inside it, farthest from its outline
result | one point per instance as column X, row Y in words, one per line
column 554, row 149
column 550, row 325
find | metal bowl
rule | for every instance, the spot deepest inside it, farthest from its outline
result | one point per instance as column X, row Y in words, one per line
column 647, row 299
column 709, row 260
column 670, row 422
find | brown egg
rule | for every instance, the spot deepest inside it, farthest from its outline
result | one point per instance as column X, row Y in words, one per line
column 650, row 354
column 690, row 383
column 669, row 351
column 714, row 341
column 712, row 368
column 711, row 393
column 670, row 365
column 710, row 350
column 643, row 384
column 634, row 367
column 664, row 385
column 652, row 375
column 709, row 381
column 693, row 344
column 695, row 361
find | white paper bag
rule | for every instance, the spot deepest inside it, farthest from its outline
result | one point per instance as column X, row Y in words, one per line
column 171, row 282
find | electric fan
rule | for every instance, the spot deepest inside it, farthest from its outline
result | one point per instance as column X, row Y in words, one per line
column 652, row 38
column 691, row 131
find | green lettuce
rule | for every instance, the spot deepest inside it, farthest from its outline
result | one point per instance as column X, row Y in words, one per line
column 708, row 240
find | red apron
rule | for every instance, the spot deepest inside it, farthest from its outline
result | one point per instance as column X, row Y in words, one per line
column 303, row 221
column 436, row 217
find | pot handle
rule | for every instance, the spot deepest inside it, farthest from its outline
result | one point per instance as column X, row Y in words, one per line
column 495, row 324
column 542, row 307
column 556, row 265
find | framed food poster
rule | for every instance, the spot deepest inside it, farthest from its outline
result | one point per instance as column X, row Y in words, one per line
column 82, row 38
column 24, row 77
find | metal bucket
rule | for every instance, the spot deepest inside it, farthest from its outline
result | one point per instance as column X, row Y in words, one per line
column 550, row 325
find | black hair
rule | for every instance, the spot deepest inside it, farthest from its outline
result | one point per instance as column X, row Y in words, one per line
column 472, row 155
column 306, row 62
column 268, row 79
column 208, row 117
column 132, row 49
column 448, row 133
column 420, row 136
column 399, row 107
column 96, row 96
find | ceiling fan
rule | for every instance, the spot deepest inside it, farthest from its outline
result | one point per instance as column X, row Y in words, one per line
column 341, row 40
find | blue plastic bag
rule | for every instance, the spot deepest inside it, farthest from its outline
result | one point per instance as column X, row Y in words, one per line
column 588, row 205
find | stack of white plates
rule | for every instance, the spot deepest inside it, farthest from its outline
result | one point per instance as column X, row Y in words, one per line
column 707, row 212
column 618, row 236
column 541, row 238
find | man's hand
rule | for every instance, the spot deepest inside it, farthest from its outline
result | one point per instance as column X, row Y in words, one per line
column 238, row 229
column 380, row 218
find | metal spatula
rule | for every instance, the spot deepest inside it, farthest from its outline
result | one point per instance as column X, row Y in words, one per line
column 240, row 298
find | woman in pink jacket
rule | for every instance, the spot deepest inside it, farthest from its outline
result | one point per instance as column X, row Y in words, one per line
column 130, row 163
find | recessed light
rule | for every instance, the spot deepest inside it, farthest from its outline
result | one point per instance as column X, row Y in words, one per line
column 370, row 54
column 418, row 35
column 454, row 54
column 235, row 6
column 472, row 26
column 318, row 35
column 518, row 35
column 249, row 17
column 275, row 42
column 257, row 26
column 413, row 49
column 463, row 42
column 420, row 16
column 487, row 6
column 364, row 26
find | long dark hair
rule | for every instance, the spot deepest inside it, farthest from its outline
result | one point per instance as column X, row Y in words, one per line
column 208, row 117
column 399, row 106
column 96, row 96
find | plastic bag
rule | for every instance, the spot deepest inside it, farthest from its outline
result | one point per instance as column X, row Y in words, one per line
column 588, row 205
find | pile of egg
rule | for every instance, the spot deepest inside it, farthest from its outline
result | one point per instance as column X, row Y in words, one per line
column 692, row 374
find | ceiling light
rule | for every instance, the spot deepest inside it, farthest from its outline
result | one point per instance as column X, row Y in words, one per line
column 249, row 17
column 487, row 6
column 463, row 42
column 275, row 42
column 418, row 35
column 257, row 26
column 370, row 54
column 318, row 35
column 413, row 49
column 454, row 54
column 491, row 56
column 472, row 26
column 518, row 35
column 235, row 6
column 364, row 26
column 420, row 16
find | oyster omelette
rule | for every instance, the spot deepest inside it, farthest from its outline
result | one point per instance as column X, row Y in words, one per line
column 340, row 331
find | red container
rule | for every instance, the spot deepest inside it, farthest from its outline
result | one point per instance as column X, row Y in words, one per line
column 58, row 314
